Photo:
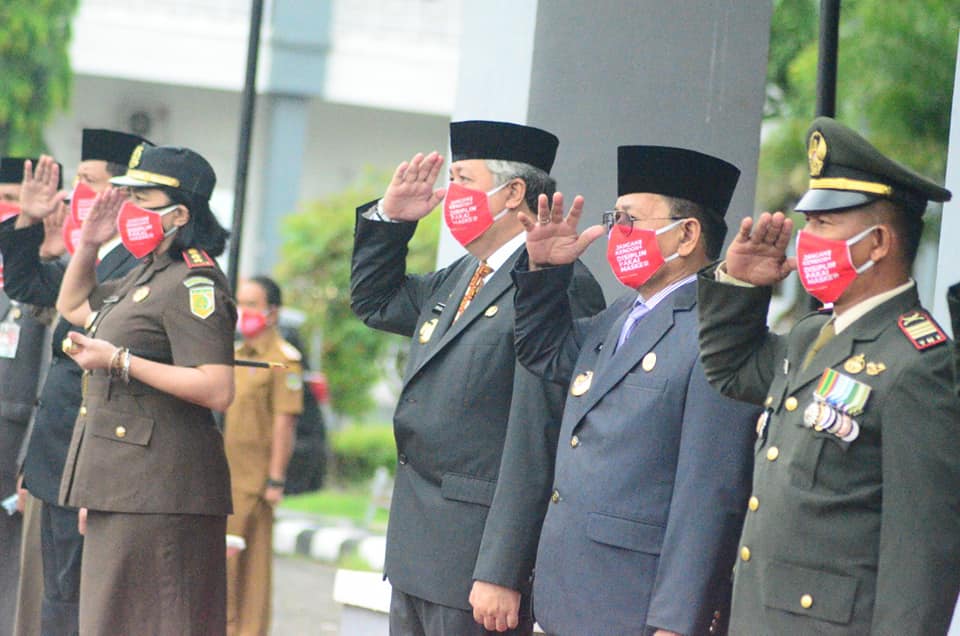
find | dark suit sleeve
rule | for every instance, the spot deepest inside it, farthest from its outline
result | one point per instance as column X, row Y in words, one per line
column 953, row 300
column 917, row 575
column 738, row 352
column 707, row 509
column 547, row 333
column 382, row 295
column 27, row 278
column 512, row 530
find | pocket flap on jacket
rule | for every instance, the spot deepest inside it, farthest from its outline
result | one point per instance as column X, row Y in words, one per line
column 121, row 427
column 828, row 596
column 625, row 533
column 467, row 489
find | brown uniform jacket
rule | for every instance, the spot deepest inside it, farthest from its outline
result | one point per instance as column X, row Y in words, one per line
column 136, row 449
column 261, row 394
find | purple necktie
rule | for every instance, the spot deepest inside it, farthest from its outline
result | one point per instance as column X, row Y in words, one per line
column 639, row 311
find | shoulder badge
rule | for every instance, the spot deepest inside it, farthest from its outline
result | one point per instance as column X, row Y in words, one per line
column 290, row 351
column 197, row 258
column 202, row 300
column 193, row 281
column 921, row 330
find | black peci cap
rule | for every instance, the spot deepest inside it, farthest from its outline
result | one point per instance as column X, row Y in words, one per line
column 11, row 170
column 171, row 166
column 109, row 145
column 846, row 172
column 503, row 140
column 677, row 172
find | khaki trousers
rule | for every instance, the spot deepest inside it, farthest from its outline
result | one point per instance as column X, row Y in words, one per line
column 250, row 573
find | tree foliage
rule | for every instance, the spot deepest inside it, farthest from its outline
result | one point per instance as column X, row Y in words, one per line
column 35, row 70
column 315, row 273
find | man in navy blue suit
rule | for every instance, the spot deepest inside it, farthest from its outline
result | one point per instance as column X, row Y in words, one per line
column 653, row 466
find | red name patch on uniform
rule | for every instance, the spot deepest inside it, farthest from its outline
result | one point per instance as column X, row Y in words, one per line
column 197, row 258
column 921, row 330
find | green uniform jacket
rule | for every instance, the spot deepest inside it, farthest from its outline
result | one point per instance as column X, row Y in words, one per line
column 859, row 537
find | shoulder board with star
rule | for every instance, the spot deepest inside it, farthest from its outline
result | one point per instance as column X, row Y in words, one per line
column 197, row 258
column 290, row 351
column 921, row 330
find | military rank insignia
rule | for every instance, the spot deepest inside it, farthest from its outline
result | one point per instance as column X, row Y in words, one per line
column 837, row 400
column 197, row 258
column 202, row 298
column 921, row 330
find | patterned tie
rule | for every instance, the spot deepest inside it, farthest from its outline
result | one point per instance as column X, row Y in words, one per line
column 476, row 282
column 639, row 311
column 827, row 332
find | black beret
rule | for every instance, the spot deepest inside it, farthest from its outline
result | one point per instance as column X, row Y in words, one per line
column 503, row 140
column 109, row 145
column 846, row 172
column 677, row 172
column 180, row 168
column 11, row 170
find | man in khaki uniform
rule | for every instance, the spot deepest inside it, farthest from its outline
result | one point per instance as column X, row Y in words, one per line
column 259, row 437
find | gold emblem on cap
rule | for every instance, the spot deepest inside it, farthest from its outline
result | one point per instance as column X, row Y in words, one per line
column 135, row 156
column 141, row 294
column 855, row 364
column 426, row 330
column 581, row 384
column 876, row 368
column 491, row 311
column 816, row 153
column 649, row 361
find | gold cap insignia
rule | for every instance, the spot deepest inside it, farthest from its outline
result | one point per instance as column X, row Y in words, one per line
column 581, row 384
column 816, row 153
column 135, row 156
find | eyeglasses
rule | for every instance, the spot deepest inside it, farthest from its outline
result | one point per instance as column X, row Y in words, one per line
column 620, row 217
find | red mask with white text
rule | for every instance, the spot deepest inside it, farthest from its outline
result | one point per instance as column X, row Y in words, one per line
column 634, row 254
column 251, row 322
column 80, row 203
column 8, row 210
column 71, row 234
column 825, row 266
column 141, row 230
column 467, row 212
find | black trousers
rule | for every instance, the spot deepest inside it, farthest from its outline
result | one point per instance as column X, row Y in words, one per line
column 413, row 616
column 62, row 546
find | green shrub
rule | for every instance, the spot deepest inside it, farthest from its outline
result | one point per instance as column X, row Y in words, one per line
column 359, row 449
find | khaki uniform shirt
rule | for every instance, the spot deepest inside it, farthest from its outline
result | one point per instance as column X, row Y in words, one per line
column 135, row 448
column 261, row 394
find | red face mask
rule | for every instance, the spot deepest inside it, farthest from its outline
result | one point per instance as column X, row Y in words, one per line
column 467, row 212
column 71, row 234
column 250, row 322
column 825, row 266
column 141, row 230
column 634, row 254
column 80, row 203
column 8, row 210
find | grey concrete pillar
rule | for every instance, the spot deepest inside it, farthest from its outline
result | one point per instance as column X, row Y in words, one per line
column 600, row 74
column 948, row 257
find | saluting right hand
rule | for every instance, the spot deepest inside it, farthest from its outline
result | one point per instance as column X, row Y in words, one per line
column 101, row 223
column 552, row 239
column 39, row 196
column 758, row 254
column 410, row 195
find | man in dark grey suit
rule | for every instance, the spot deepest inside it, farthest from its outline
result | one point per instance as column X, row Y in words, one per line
column 653, row 467
column 460, row 550
column 29, row 280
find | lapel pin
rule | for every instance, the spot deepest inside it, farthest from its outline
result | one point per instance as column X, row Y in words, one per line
column 426, row 330
column 649, row 361
column 855, row 364
column 141, row 294
column 581, row 384
column 876, row 368
column 491, row 311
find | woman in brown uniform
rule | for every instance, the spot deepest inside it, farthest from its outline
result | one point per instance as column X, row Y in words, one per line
column 146, row 459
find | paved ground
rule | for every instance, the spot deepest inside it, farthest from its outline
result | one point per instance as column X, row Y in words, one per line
column 303, row 598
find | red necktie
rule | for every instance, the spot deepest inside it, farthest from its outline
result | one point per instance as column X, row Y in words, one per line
column 476, row 282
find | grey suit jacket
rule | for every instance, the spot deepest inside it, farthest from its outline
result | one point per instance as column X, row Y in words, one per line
column 462, row 408
column 652, row 470
column 848, row 537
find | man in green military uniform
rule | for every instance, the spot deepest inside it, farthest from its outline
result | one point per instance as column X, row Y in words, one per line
column 853, row 526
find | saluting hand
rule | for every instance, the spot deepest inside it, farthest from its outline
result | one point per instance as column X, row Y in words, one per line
column 53, row 245
column 101, row 223
column 410, row 195
column 758, row 254
column 39, row 196
column 552, row 239
column 89, row 353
